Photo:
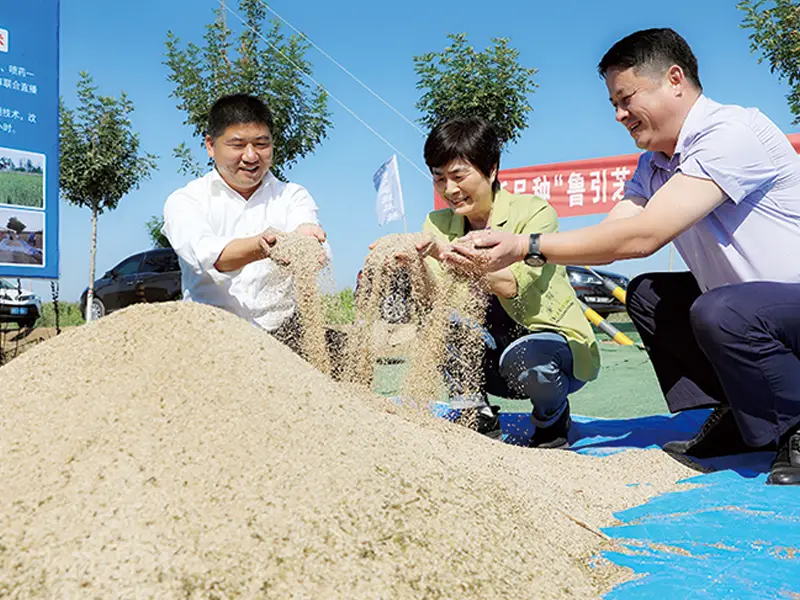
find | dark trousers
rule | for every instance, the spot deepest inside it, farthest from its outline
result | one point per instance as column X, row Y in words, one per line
column 515, row 363
column 737, row 345
column 290, row 333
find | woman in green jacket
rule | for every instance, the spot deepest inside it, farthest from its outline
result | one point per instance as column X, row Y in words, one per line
column 539, row 345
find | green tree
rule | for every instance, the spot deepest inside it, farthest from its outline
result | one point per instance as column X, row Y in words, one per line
column 461, row 82
column 16, row 225
column 776, row 37
column 153, row 227
column 264, row 64
column 100, row 159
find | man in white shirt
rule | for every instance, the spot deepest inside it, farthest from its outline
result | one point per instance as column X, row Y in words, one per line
column 221, row 225
column 723, row 182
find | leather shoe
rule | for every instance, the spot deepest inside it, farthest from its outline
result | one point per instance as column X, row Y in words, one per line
column 718, row 436
column 554, row 437
column 786, row 468
column 486, row 422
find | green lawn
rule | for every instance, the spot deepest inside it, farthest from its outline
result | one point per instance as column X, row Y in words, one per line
column 626, row 388
column 21, row 189
column 69, row 314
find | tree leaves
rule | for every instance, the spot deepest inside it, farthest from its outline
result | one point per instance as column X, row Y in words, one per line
column 100, row 161
column 460, row 81
column 776, row 37
column 16, row 225
column 263, row 63
column 154, row 226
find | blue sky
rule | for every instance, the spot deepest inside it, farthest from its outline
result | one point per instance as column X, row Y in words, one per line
column 122, row 45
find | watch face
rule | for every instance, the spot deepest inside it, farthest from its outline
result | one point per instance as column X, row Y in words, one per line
column 534, row 261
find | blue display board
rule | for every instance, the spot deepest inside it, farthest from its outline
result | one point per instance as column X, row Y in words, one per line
column 29, row 138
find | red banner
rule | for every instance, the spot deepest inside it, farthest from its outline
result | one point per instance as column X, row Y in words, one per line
column 580, row 187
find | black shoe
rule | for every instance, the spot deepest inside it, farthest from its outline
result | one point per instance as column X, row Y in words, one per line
column 719, row 436
column 786, row 468
column 554, row 437
column 477, row 420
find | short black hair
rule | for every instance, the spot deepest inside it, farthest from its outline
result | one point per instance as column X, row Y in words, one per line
column 237, row 109
column 651, row 49
column 472, row 139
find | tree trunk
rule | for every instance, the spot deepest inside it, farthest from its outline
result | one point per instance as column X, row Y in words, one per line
column 92, row 255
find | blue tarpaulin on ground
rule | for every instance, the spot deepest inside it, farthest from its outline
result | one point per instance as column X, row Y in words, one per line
column 730, row 537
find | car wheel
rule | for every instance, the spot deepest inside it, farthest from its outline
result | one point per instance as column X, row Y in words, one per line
column 98, row 309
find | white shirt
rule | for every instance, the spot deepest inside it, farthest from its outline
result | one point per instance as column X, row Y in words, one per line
column 206, row 215
column 755, row 234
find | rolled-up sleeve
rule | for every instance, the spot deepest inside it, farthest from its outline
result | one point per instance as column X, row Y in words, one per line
column 545, row 220
column 189, row 233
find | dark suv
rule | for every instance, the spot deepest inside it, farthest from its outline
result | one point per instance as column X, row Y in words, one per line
column 151, row 276
column 590, row 289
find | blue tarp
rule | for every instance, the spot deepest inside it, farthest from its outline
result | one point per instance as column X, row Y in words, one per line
column 732, row 537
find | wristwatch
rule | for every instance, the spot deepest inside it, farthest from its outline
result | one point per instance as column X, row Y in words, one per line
column 534, row 258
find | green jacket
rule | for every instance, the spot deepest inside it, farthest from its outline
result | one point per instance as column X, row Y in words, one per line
column 545, row 300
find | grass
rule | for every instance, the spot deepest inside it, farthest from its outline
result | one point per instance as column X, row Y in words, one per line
column 21, row 189
column 340, row 308
column 69, row 314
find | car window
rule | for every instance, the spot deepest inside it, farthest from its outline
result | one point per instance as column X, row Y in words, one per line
column 129, row 266
column 174, row 265
column 160, row 262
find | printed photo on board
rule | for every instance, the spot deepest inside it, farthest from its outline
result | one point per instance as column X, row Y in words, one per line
column 21, row 237
column 21, row 178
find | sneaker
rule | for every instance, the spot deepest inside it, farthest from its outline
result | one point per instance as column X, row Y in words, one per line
column 477, row 420
column 718, row 436
column 786, row 468
column 554, row 437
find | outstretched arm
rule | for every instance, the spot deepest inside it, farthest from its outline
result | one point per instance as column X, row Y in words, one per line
column 679, row 204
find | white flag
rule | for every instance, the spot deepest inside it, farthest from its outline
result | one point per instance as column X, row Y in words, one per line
column 390, row 195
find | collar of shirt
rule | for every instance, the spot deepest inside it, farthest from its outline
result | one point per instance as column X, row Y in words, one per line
column 500, row 209
column 218, row 183
column 690, row 127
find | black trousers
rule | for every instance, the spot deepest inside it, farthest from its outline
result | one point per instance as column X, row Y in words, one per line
column 490, row 338
column 737, row 345
column 290, row 333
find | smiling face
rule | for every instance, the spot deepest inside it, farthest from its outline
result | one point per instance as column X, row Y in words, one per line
column 467, row 191
column 242, row 155
column 652, row 107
